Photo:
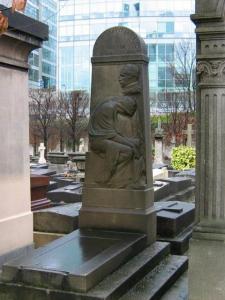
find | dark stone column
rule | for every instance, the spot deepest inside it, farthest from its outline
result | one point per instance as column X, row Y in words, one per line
column 210, row 196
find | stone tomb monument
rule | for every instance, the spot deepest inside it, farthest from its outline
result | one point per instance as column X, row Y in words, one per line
column 114, row 254
column 118, row 191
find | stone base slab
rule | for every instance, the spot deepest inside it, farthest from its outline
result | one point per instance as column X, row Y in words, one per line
column 43, row 238
column 125, row 220
column 174, row 217
column 16, row 253
column 210, row 230
column 59, row 219
column 76, row 262
column 118, row 198
column 153, row 269
column 179, row 244
column 16, row 233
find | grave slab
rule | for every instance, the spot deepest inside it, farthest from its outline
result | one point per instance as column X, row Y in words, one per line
column 177, row 183
column 60, row 219
column 161, row 190
column 145, row 265
column 62, row 180
column 175, row 221
column 180, row 243
column 69, row 194
column 173, row 217
column 42, row 172
column 76, row 262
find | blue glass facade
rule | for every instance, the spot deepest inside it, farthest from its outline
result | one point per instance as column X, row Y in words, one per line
column 42, row 72
column 162, row 24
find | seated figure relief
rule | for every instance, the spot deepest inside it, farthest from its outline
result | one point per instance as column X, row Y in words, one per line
column 114, row 134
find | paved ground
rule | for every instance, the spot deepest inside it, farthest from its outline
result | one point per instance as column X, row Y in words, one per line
column 206, row 270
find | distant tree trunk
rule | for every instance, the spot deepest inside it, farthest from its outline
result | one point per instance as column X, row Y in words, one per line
column 45, row 137
column 61, row 145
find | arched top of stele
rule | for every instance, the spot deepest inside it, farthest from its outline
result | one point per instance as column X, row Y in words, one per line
column 119, row 41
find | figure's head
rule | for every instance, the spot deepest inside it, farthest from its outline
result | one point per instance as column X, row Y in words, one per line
column 128, row 74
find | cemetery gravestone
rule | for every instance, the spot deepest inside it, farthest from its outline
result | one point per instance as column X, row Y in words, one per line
column 115, row 248
column 118, row 192
column 41, row 150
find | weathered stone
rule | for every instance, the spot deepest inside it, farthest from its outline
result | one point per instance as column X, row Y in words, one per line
column 177, row 183
column 142, row 266
column 159, row 166
column 161, row 190
column 118, row 191
column 175, row 221
column 57, row 158
column 52, row 185
column 60, row 219
column 173, row 217
column 76, row 262
column 63, row 181
column 25, row 35
column 39, row 166
column 42, row 172
column 180, row 243
column 159, row 144
column 210, row 169
column 68, row 194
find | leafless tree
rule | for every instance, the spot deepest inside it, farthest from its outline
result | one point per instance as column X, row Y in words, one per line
column 42, row 110
column 179, row 105
column 183, row 72
column 61, row 119
column 76, row 105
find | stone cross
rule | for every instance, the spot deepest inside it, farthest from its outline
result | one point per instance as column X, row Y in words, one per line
column 189, row 132
column 41, row 149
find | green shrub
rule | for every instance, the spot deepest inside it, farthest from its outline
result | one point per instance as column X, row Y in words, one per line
column 183, row 158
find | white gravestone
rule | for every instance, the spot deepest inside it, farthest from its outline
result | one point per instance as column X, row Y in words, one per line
column 41, row 149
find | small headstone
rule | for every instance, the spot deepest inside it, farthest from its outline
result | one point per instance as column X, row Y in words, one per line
column 41, row 150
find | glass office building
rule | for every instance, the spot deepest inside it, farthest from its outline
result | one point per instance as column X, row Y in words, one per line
column 162, row 24
column 42, row 72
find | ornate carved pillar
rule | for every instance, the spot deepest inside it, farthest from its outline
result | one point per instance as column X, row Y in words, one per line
column 210, row 196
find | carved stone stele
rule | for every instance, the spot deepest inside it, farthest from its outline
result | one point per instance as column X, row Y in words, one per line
column 118, row 192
